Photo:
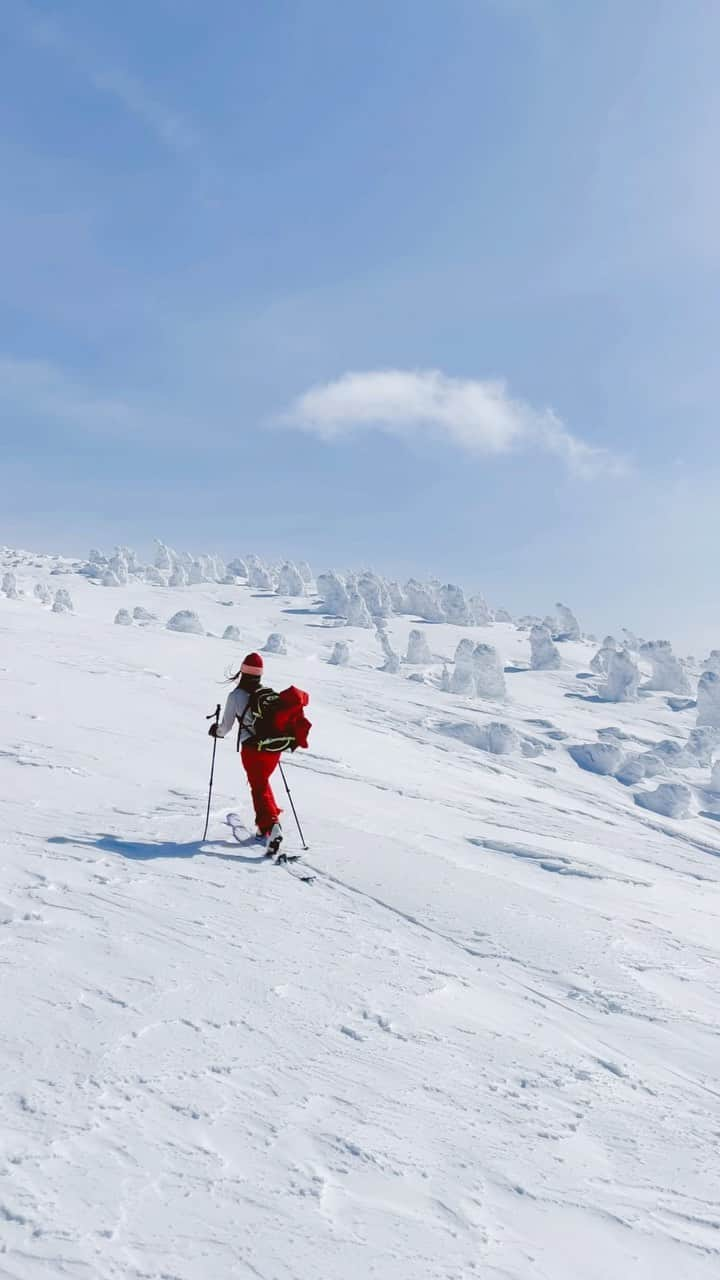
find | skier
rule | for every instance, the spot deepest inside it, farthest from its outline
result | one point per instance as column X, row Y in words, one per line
column 258, row 765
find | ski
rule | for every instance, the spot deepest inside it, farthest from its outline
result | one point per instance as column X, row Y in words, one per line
column 297, row 874
column 246, row 838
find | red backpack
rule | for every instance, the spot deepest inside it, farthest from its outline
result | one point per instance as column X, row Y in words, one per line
column 277, row 721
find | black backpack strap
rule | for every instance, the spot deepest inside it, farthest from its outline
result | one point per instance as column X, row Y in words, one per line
column 241, row 719
column 254, row 710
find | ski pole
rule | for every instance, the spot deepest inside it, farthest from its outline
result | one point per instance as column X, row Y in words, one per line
column 216, row 717
column 292, row 806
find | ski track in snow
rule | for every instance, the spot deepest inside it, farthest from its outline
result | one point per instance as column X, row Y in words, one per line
column 484, row 1042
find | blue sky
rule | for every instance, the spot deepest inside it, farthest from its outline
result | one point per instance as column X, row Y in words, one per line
column 499, row 216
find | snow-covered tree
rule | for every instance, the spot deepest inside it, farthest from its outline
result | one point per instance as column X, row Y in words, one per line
column 502, row 615
column 231, row 633
column 305, row 572
column 340, row 655
column 599, row 664
column 333, row 594
column 42, row 593
column 290, row 581
column 195, row 574
column 445, row 680
column 178, row 577
column 131, row 559
column 462, row 680
column 186, row 621
column 9, row 586
column 418, row 648
column 357, row 612
column 454, row 606
column 110, row 579
column 154, row 577
column 543, row 654
column 396, row 595
column 123, row 619
column 622, row 678
column 119, row 567
column 275, row 643
column 480, row 610
column 375, row 594
column 568, row 625
column 715, row 777
column 259, row 578
column 708, row 699
column 392, row 659
column 140, row 614
column 712, row 662
column 667, row 673
column 238, row 568
column 422, row 601
column 62, row 602
column 488, row 671
column 164, row 558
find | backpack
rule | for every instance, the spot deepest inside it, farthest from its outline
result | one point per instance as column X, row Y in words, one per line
column 276, row 721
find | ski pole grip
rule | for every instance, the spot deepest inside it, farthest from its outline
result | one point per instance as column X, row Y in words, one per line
column 215, row 715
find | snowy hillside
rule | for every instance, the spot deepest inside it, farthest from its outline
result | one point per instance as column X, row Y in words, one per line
column 484, row 1042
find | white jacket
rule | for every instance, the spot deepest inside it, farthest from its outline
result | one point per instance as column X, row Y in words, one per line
column 234, row 708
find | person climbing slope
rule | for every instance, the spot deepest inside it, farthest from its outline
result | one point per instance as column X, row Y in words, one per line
column 268, row 724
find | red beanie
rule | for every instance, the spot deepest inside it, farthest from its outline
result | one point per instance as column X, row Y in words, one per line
column 252, row 665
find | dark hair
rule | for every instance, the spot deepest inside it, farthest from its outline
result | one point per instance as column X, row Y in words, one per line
column 246, row 682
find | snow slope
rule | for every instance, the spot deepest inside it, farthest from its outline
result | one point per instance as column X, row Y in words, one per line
column 483, row 1043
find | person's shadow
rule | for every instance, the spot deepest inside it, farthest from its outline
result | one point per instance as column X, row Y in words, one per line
column 144, row 851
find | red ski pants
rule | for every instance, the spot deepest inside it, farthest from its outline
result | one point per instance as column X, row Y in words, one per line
column 259, row 765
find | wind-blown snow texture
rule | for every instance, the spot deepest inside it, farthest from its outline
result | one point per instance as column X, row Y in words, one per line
column 483, row 1043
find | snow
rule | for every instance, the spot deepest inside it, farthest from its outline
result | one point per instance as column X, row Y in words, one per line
column 597, row 757
column 672, row 799
column 482, row 1043
column 123, row 618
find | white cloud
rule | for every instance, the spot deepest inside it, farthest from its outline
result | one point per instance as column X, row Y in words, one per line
column 477, row 416
column 40, row 390
column 167, row 125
